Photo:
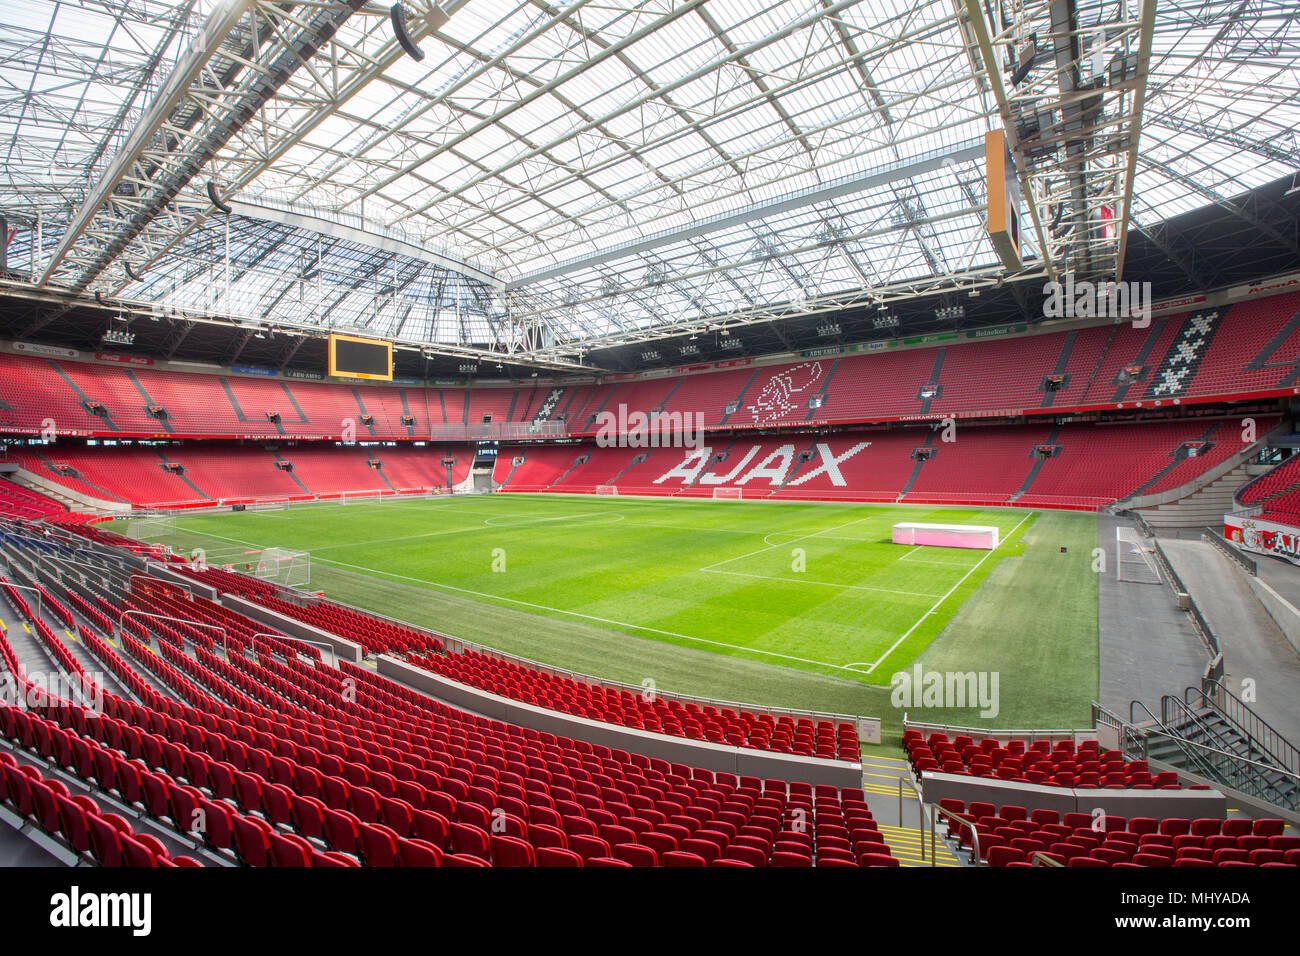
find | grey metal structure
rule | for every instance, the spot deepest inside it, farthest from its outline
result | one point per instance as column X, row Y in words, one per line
column 553, row 177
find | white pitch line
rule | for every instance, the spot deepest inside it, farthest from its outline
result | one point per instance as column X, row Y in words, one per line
column 893, row 647
column 434, row 534
column 544, row 607
column 825, row 584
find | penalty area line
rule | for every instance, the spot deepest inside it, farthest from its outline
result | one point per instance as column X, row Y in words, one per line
column 908, row 633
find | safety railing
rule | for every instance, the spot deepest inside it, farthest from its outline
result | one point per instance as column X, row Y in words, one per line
column 929, row 814
column 1247, row 721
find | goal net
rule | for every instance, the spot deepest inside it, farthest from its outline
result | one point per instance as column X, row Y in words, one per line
column 1134, row 559
column 275, row 504
column 283, row 566
column 729, row 494
column 607, row 489
column 147, row 529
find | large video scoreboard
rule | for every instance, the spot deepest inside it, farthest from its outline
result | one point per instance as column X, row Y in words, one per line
column 351, row 357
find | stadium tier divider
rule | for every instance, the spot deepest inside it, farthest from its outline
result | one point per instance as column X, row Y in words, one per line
column 742, row 761
column 868, row 727
column 936, row 786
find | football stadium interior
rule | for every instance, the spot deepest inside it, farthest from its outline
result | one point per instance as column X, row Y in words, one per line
column 652, row 433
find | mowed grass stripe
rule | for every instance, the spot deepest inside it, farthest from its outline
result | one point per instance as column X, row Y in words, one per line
column 1029, row 613
column 848, row 600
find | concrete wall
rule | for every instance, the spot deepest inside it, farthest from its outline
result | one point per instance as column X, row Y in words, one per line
column 1282, row 611
column 741, row 761
column 1189, row 804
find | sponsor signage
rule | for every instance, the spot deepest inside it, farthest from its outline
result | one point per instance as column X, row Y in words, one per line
column 996, row 330
column 123, row 359
column 927, row 339
column 306, row 376
column 732, row 363
column 1176, row 305
column 1287, row 283
column 1263, row 537
column 406, row 381
column 33, row 349
column 449, row 382
column 250, row 370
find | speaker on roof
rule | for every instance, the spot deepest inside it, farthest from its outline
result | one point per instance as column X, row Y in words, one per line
column 216, row 198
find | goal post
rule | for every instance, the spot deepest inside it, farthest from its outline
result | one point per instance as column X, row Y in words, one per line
column 607, row 490
column 270, row 504
column 1134, row 561
column 156, row 526
column 728, row 494
column 284, row 566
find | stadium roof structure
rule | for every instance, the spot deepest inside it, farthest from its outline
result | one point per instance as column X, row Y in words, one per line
column 541, row 180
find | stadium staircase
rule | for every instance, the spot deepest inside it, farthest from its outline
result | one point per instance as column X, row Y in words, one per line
column 1205, row 499
column 908, row 839
column 1206, row 506
column 1210, row 732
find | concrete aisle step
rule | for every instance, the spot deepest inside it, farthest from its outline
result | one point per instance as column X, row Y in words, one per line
column 880, row 776
column 905, row 845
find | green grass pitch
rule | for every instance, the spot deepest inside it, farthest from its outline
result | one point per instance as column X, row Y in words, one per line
column 782, row 603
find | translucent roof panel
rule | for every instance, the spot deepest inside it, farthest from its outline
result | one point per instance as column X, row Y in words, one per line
column 617, row 165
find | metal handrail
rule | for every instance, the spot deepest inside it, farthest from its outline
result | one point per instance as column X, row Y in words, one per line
column 1201, row 757
column 927, row 813
column 1183, row 713
column 1236, row 757
column 28, row 587
column 911, row 783
column 1181, row 742
column 334, row 654
column 974, row 834
column 1231, row 701
column 225, row 638
column 1039, row 858
column 1077, row 736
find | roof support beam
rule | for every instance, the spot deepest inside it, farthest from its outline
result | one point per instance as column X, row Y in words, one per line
column 980, row 27
column 834, row 190
column 168, row 148
column 206, row 44
column 1145, row 33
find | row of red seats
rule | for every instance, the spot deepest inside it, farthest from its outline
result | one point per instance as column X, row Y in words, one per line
column 1062, row 764
column 374, row 634
column 664, row 715
column 19, row 502
column 75, row 821
column 1090, row 465
column 848, row 822
column 658, row 713
column 1013, row 836
column 987, row 374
